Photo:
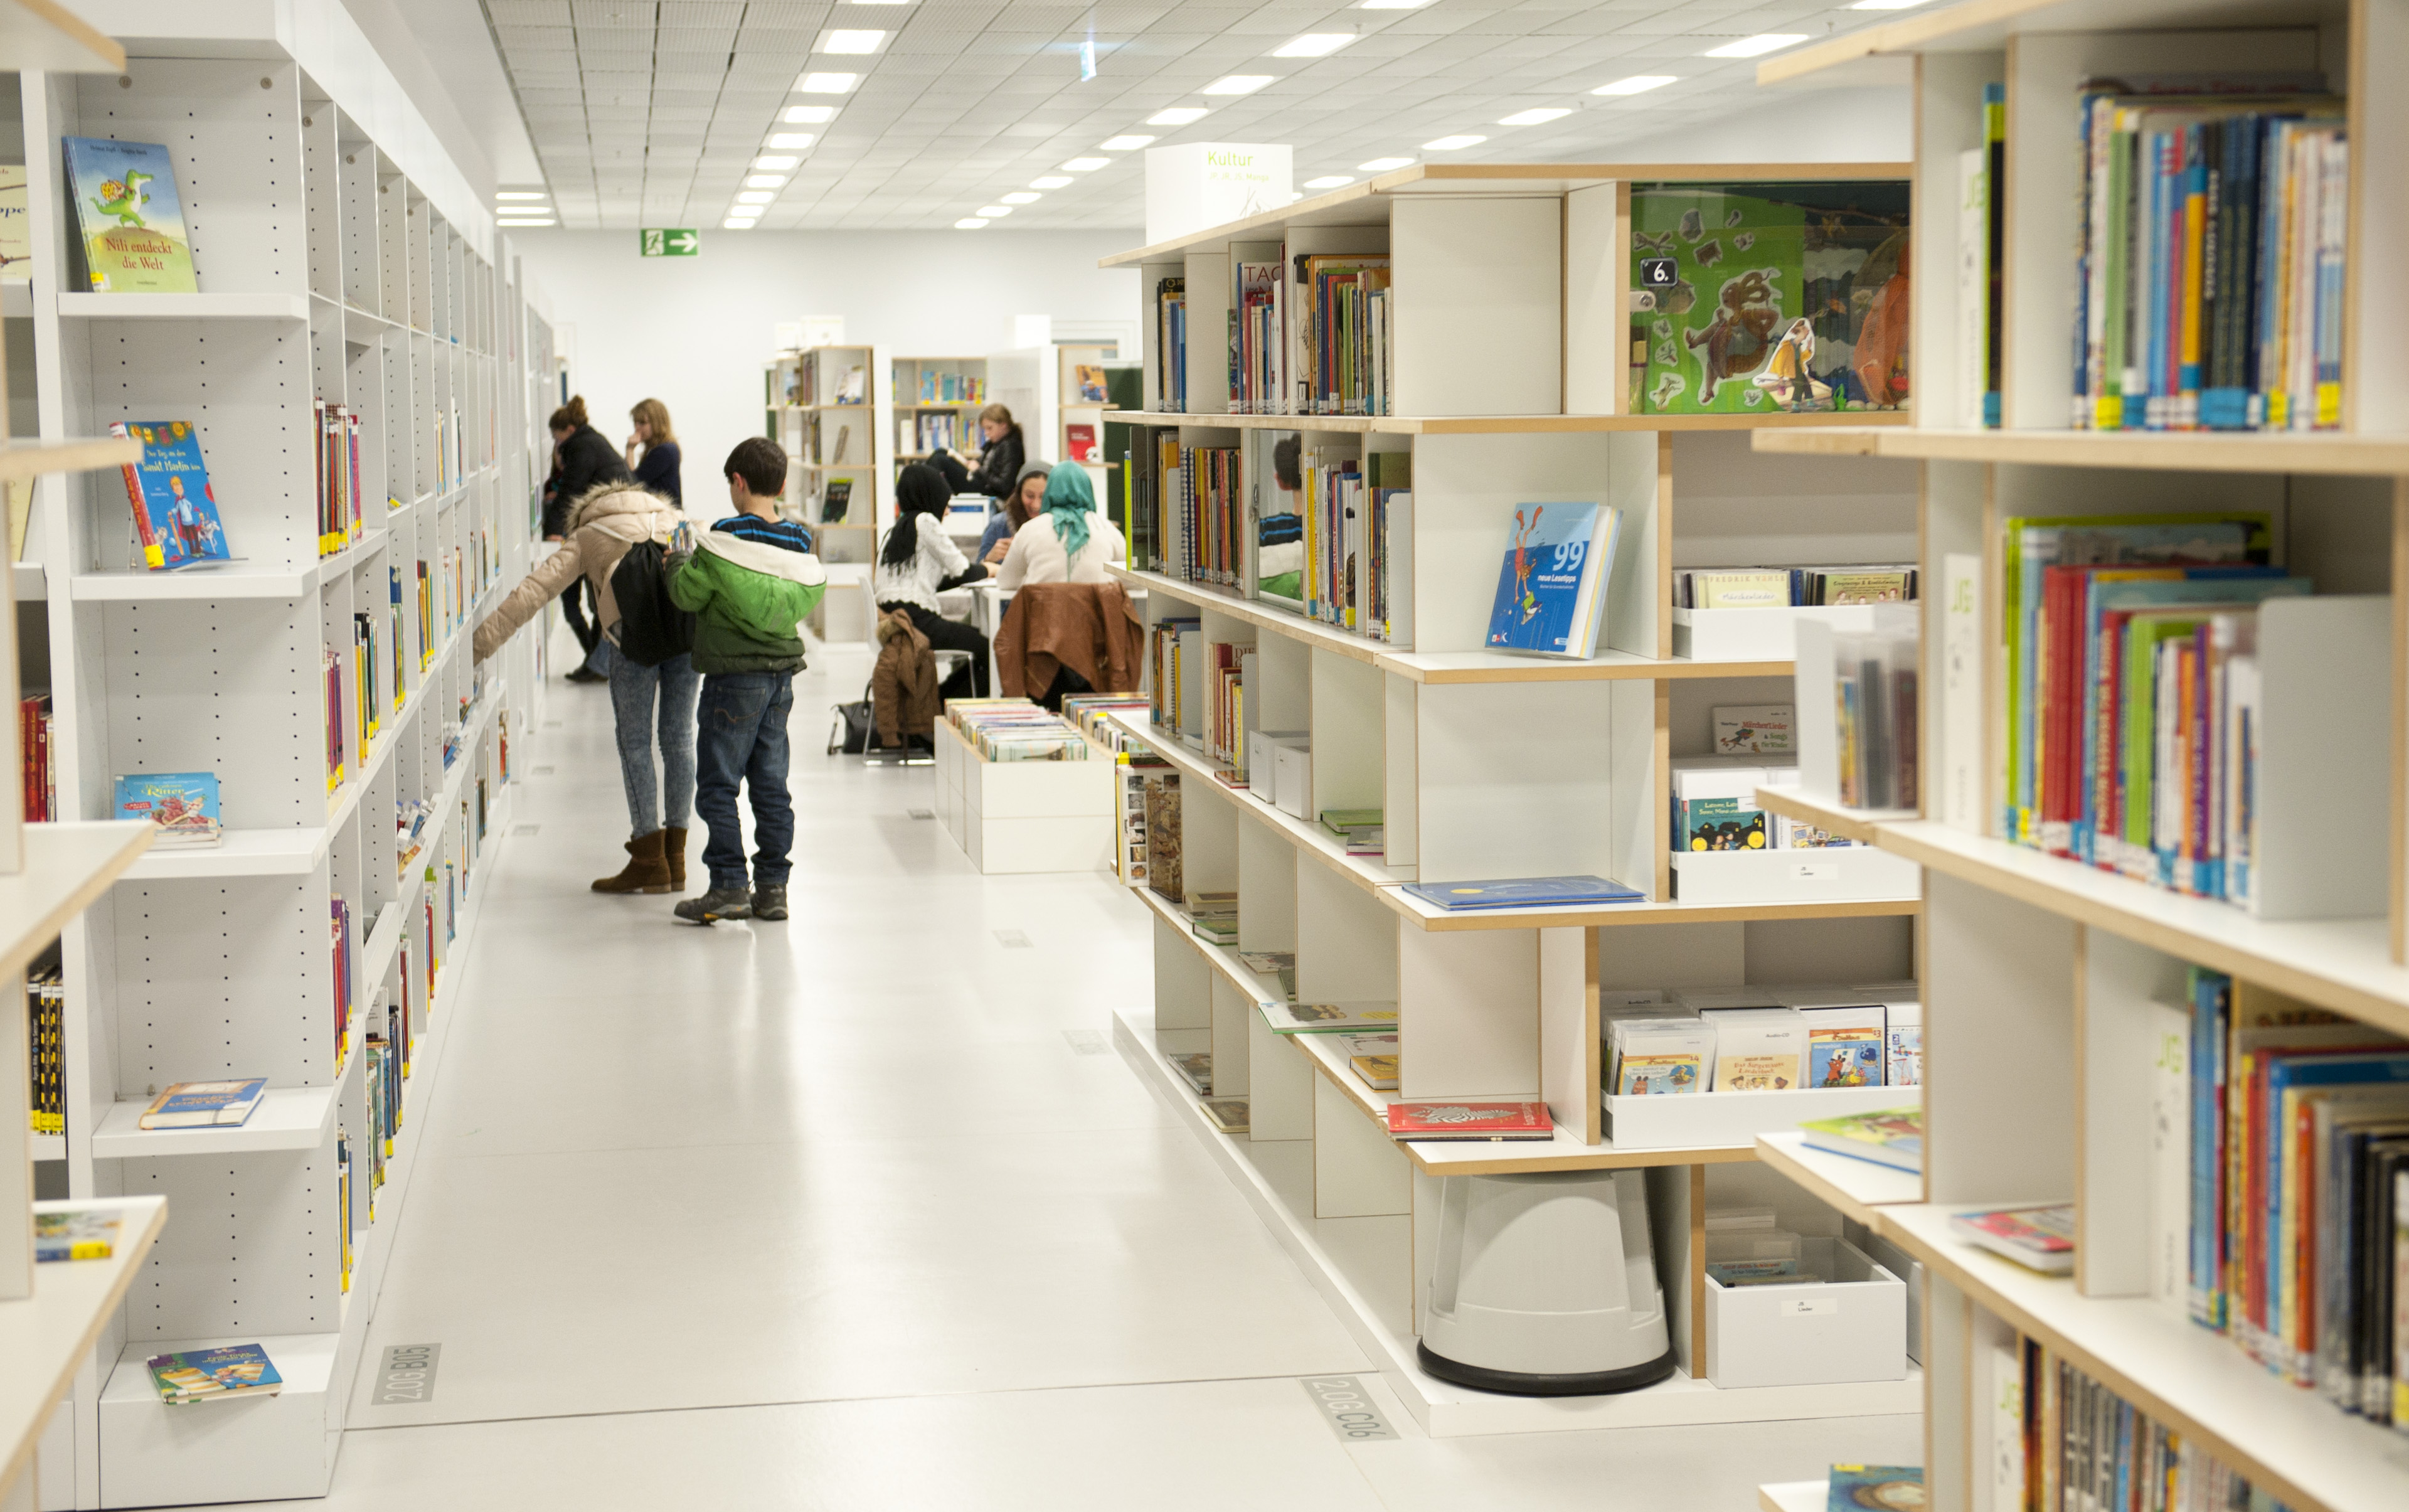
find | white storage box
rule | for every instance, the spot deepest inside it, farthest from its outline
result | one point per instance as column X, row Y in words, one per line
column 1263, row 759
column 264, row 1448
column 1012, row 817
column 1828, row 875
column 1692, row 1118
column 1851, row 1326
column 1294, row 761
column 1758, row 634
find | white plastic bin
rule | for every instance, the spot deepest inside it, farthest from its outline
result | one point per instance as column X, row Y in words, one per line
column 1825, row 875
column 1851, row 1326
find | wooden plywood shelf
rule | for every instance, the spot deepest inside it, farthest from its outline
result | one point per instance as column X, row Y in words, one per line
column 1985, row 25
column 1831, row 818
column 21, row 460
column 1424, row 915
column 1793, row 1496
column 1549, row 424
column 47, row 1337
column 1853, row 1187
column 67, row 867
column 1608, row 666
column 1239, row 607
column 2339, row 452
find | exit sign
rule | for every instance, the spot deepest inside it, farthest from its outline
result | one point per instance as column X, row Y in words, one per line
column 672, row 241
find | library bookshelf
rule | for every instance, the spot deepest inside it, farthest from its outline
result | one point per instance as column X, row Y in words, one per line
column 1486, row 765
column 833, row 409
column 342, row 259
column 2046, row 980
column 937, row 405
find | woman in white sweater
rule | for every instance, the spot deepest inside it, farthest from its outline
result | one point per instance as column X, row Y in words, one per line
column 916, row 562
column 1068, row 542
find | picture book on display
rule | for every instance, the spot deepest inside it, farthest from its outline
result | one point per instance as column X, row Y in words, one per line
column 1875, row 1488
column 215, row 1375
column 129, row 219
column 183, row 804
column 1470, row 1120
column 205, row 1104
column 1895, row 1139
column 2042, row 1238
column 1523, row 892
column 74, row 1236
column 1328, row 1018
column 1551, row 582
column 175, row 514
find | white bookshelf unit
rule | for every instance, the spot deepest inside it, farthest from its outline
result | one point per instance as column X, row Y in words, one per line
column 341, row 258
column 1510, row 388
column 831, row 438
column 2044, row 976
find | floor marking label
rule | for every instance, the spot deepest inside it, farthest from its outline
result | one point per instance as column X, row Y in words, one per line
column 1088, row 1042
column 1012, row 939
column 1350, row 1413
column 919, row 814
column 407, row 1376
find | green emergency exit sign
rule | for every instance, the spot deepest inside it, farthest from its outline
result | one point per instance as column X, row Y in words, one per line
column 672, row 241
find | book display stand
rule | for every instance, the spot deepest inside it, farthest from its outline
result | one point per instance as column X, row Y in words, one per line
column 1510, row 386
column 833, row 409
column 342, row 260
column 2051, row 986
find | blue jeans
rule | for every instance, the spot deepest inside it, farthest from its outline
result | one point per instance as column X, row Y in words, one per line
column 634, row 693
column 744, row 739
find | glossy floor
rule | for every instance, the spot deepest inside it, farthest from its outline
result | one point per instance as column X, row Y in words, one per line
column 858, row 1211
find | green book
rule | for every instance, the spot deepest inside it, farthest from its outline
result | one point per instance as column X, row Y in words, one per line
column 1339, row 821
column 129, row 219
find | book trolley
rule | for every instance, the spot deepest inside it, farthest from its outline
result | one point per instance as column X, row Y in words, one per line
column 341, row 258
column 1509, row 385
column 2050, row 984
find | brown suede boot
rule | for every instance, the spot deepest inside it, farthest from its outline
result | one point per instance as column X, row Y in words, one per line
column 675, row 849
column 646, row 870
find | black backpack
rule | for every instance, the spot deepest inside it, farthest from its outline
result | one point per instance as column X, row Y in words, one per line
column 652, row 627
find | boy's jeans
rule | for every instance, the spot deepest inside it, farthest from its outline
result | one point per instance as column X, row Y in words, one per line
column 742, row 737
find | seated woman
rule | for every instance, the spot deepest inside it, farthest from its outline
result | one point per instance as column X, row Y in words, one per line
column 1002, row 453
column 1070, row 542
column 1019, row 507
column 919, row 561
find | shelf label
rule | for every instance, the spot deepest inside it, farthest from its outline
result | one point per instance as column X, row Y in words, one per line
column 1807, row 1307
column 1350, row 1413
column 406, row 1378
column 1815, row 870
column 671, row 241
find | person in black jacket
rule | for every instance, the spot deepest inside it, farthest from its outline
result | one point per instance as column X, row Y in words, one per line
column 999, row 464
column 587, row 459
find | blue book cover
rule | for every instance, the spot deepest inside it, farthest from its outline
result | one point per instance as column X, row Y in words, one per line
column 2287, row 1072
column 175, row 512
column 229, row 1369
column 184, row 804
column 1523, row 892
column 205, row 1104
column 1543, row 581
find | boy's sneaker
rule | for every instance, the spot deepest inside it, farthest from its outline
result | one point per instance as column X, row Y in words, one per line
column 723, row 904
column 770, row 903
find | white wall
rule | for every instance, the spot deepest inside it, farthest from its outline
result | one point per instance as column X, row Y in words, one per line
column 693, row 332
column 1868, row 123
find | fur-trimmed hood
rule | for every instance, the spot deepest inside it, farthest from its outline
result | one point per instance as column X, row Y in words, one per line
column 800, row 567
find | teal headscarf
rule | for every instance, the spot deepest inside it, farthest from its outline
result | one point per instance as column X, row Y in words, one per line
column 1070, row 498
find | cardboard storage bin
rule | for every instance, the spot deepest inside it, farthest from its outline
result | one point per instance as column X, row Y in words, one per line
column 1851, row 1326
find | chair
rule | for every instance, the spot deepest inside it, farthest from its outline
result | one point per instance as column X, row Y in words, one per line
column 910, row 755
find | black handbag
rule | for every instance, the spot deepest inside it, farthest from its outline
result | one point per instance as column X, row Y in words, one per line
column 850, row 734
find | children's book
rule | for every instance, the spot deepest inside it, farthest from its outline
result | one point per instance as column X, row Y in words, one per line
column 74, row 1236
column 175, row 514
column 1875, row 1488
column 1903, row 1046
column 1379, row 1072
column 1895, row 1139
column 1552, row 582
column 1660, row 1057
column 129, row 219
column 16, row 235
column 1196, row 1070
column 2040, row 1237
column 183, row 804
column 1758, row 1049
column 1328, row 1018
column 1844, row 1045
column 205, row 1104
column 1080, row 443
column 1523, row 892
column 1092, row 384
column 1753, row 729
column 1470, row 1120
column 1227, row 1113
column 215, row 1375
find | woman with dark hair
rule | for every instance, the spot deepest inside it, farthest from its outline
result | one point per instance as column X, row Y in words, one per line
column 919, row 561
column 1022, row 505
column 998, row 463
column 587, row 461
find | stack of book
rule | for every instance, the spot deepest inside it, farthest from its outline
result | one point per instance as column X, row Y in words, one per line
column 1171, row 344
column 1769, row 1039
column 1203, row 513
column 1360, row 828
column 1214, row 916
column 1345, row 334
column 2082, row 1446
column 1775, row 588
column 1523, row 892
column 1258, row 343
column 1016, row 729
column 40, row 782
column 46, row 1001
column 341, row 512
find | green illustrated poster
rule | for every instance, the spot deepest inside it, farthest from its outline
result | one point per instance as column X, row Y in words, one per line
column 1784, row 297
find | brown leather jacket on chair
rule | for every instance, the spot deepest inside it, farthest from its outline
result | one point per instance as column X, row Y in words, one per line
column 1091, row 628
column 903, row 683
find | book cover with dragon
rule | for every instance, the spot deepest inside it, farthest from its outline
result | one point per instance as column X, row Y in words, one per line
column 129, row 218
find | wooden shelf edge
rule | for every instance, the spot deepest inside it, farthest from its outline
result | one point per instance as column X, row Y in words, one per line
column 1421, row 667
column 1606, row 916
column 21, row 460
column 2325, row 452
column 1849, row 824
column 1538, row 425
column 1227, row 601
column 1778, row 1151
column 131, row 1245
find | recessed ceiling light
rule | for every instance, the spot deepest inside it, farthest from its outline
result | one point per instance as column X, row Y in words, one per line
column 1382, row 165
column 1533, row 118
column 825, row 84
column 765, row 180
column 774, row 162
column 809, row 115
column 738, row 222
column 1021, row 198
column 789, row 138
column 969, row 223
column 1052, row 180
column 1236, row 84
column 512, row 220
column 1885, row 5
column 1635, row 84
column 1088, row 165
column 1757, row 46
column 1449, row 144
column 1313, row 45
column 754, row 196
column 1179, row 115
column 995, row 212
column 1131, row 144
column 520, row 194
column 1328, row 181
column 844, row 41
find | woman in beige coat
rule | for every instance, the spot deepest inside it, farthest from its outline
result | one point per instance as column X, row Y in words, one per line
column 601, row 526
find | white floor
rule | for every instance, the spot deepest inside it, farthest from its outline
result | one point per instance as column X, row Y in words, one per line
column 858, row 1212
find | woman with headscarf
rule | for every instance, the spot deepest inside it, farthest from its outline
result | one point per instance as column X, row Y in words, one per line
column 1069, row 541
column 919, row 561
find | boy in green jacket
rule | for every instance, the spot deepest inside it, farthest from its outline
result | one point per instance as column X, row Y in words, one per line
column 749, row 580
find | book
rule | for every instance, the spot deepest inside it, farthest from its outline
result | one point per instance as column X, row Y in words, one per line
column 175, row 512
column 215, row 1375
column 1226, row 1114
column 1196, row 1070
column 1844, row 1045
column 1328, row 1018
column 1714, row 809
column 1757, row 1049
column 129, row 219
column 1875, row 1488
column 1552, row 579
column 1895, row 1139
column 1470, row 1120
column 836, row 500
column 1346, row 821
column 183, row 804
column 1090, row 383
column 16, row 233
column 1660, row 1057
column 1081, row 445
column 1524, row 892
column 1220, row 929
column 2040, row 1237
column 1754, row 729
column 205, row 1104
column 1379, row 1072
column 1903, row 1045
column 74, row 1236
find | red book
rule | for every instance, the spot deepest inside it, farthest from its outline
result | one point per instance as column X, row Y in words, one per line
column 1082, row 443
column 1470, row 1120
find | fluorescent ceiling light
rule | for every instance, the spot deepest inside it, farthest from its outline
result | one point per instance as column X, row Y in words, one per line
column 1635, row 84
column 1052, row 180
column 755, row 197
column 1394, row 5
column 1328, row 181
column 1236, row 84
column 1382, row 165
column 738, row 222
column 1022, row 197
column 1885, row 5
column 1313, row 45
column 1088, row 165
column 520, row 194
column 789, row 138
column 969, row 223
column 1131, row 144
column 995, row 212
column 1179, row 115
column 774, row 163
column 765, row 180
column 1757, row 46
column 844, row 41
column 809, row 115
column 505, row 220
column 825, row 84
column 1449, row 144
column 1533, row 118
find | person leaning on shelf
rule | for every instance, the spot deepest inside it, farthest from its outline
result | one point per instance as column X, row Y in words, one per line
column 920, row 561
column 596, row 535
column 657, row 465
column 998, row 469
column 587, row 459
column 1020, row 506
